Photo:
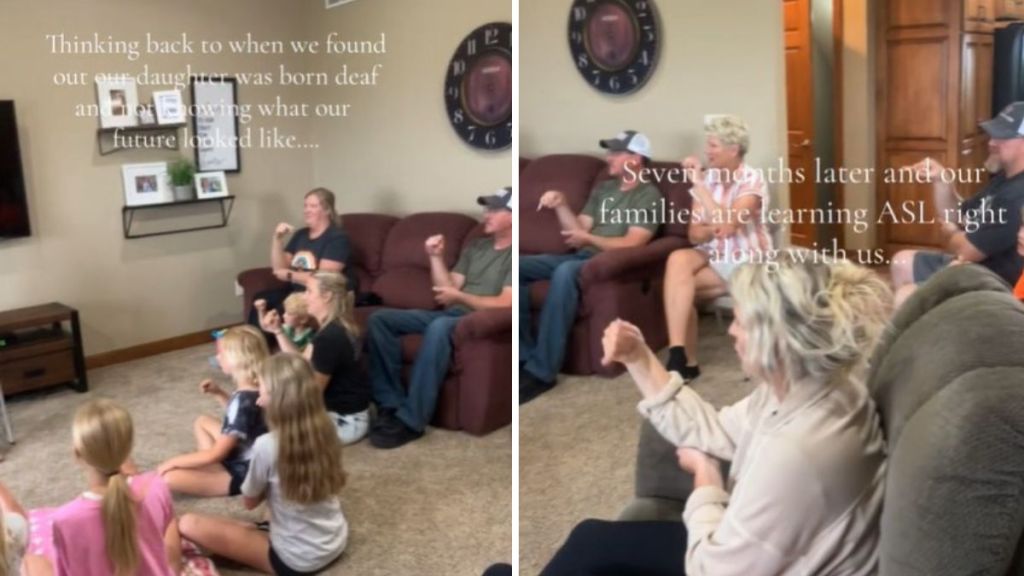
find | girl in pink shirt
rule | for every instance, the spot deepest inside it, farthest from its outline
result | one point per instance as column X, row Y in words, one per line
column 123, row 524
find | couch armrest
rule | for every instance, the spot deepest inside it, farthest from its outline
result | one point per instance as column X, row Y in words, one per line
column 482, row 324
column 254, row 281
column 616, row 263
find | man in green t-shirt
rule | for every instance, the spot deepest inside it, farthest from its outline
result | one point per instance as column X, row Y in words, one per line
column 481, row 279
column 620, row 213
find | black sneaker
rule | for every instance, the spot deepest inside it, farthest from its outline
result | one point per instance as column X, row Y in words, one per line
column 530, row 387
column 393, row 435
column 384, row 417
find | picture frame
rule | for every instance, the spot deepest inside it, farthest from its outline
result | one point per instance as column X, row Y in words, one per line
column 211, row 185
column 215, row 124
column 328, row 4
column 170, row 108
column 118, row 102
column 146, row 184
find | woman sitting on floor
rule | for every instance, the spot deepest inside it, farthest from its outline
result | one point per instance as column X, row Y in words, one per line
column 333, row 352
column 804, row 494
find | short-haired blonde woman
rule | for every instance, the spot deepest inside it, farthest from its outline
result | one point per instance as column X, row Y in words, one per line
column 804, row 493
column 297, row 469
column 726, row 229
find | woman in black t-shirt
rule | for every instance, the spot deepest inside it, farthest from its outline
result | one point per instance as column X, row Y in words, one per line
column 333, row 353
column 321, row 246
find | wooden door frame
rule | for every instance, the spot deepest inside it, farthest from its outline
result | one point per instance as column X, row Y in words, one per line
column 838, row 39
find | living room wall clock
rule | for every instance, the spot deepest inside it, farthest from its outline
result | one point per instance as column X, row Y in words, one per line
column 614, row 43
column 478, row 87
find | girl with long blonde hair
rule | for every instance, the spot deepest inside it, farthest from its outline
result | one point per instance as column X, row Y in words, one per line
column 297, row 469
column 123, row 524
column 224, row 447
column 334, row 353
column 804, row 491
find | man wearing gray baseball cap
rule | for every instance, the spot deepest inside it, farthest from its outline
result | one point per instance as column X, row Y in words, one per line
column 606, row 223
column 482, row 278
column 985, row 229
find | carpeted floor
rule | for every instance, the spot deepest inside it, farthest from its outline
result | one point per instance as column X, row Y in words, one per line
column 441, row 506
column 577, row 446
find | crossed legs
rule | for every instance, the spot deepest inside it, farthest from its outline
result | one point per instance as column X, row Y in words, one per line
column 688, row 279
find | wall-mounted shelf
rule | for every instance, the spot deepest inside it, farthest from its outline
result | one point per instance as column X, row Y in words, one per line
column 147, row 137
column 128, row 215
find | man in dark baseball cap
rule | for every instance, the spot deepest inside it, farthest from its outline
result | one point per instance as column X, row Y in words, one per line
column 981, row 229
column 502, row 199
column 482, row 278
column 619, row 214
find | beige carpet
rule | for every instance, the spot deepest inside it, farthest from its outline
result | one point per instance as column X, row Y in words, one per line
column 441, row 506
column 577, row 446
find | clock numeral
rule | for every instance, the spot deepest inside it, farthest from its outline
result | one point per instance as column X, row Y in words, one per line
column 641, row 6
column 490, row 139
column 579, row 13
column 458, row 67
column 453, row 92
column 472, row 133
column 597, row 77
column 614, row 84
column 633, row 78
column 491, row 36
column 649, row 29
column 471, row 47
column 576, row 36
column 457, row 117
column 645, row 58
column 582, row 60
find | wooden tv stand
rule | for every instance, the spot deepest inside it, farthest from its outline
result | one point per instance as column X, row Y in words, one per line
column 36, row 351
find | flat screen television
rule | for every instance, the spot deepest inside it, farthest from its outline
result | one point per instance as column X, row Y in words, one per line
column 13, row 205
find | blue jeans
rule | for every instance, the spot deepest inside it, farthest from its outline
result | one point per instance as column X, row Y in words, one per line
column 386, row 328
column 543, row 356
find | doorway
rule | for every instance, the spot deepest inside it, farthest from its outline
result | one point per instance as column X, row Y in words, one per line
column 814, row 40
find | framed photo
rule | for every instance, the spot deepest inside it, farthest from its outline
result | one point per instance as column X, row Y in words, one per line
column 211, row 185
column 146, row 184
column 118, row 102
column 215, row 124
column 169, row 107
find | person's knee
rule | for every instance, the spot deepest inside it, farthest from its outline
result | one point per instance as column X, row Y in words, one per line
column 566, row 273
column 903, row 262
column 585, row 531
column 190, row 524
column 440, row 328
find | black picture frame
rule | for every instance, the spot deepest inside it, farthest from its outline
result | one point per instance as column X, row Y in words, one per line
column 206, row 158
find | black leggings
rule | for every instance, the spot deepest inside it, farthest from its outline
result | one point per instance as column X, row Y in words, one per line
column 602, row 548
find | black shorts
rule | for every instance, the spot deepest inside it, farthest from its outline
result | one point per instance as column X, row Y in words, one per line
column 282, row 569
column 237, row 469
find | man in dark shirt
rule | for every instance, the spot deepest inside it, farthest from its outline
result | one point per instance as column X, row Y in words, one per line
column 985, row 229
column 482, row 278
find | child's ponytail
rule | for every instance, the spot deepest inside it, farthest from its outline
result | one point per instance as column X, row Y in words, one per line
column 103, row 436
column 119, row 525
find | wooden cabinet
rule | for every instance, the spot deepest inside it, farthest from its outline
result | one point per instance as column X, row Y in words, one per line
column 37, row 351
column 1009, row 9
column 935, row 86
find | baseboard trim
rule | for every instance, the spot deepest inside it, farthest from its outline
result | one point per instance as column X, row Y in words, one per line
column 148, row 349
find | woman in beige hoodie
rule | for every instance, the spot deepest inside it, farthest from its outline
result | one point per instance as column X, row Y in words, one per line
column 804, row 493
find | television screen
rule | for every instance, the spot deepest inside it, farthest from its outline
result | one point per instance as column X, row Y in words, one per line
column 13, row 206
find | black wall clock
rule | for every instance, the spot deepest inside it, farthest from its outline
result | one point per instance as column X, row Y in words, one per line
column 614, row 43
column 478, row 87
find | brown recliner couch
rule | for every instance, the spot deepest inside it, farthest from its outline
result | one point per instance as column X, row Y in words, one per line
column 390, row 262
column 623, row 283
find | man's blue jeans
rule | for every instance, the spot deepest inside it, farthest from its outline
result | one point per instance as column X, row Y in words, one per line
column 386, row 328
column 542, row 357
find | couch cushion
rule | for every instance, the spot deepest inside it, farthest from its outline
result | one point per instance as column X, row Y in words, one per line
column 367, row 233
column 406, row 287
column 404, row 245
column 573, row 174
column 948, row 379
column 404, row 280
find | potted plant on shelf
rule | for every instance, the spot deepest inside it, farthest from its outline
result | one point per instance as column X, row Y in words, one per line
column 182, row 173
